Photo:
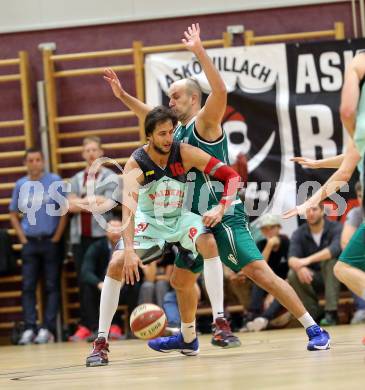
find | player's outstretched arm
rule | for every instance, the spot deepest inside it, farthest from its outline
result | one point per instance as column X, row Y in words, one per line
column 209, row 118
column 139, row 108
column 193, row 157
column 333, row 184
column 354, row 73
column 130, row 186
column 330, row 162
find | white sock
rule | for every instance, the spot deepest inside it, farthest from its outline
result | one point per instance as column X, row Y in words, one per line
column 306, row 320
column 108, row 304
column 188, row 331
column 213, row 277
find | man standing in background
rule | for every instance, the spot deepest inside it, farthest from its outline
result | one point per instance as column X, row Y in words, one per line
column 40, row 234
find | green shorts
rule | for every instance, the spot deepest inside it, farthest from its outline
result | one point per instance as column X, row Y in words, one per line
column 151, row 235
column 235, row 244
column 354, row 253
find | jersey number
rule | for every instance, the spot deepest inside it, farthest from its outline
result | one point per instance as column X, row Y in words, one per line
column 177, row 169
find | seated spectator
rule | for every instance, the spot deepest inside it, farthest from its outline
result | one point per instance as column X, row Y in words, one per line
column 238, row 287
column 274, row 247
column 313, row 252
column 354, row 219
column 93, row 272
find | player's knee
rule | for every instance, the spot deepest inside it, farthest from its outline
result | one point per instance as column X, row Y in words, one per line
column 261, row 274
column 180, row 280
column 115, row 265
column 339, row 269
column 176, row 282
column 206, row 245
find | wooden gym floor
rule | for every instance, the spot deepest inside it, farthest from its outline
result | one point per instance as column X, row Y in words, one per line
column 267, row 360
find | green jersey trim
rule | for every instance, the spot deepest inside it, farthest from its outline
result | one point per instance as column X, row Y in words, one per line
column 199, row 139
column 230, row 236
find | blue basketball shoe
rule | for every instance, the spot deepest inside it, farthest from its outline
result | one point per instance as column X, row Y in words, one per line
column 318, row 338
column 175, row 343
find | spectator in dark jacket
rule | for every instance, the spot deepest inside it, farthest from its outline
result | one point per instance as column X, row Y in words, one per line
column 313, row 252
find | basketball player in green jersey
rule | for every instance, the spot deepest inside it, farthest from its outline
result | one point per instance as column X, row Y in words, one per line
column 201, row 127
column 154, row 178
column 350, row 269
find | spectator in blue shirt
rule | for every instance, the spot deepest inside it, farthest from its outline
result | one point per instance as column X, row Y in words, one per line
column 39, row 197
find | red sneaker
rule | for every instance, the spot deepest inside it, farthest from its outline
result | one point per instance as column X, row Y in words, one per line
column 222, row 334
column 115, row 333
column 99, row 355
column 82, row 333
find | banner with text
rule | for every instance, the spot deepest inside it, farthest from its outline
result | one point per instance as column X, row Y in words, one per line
column 283, row 101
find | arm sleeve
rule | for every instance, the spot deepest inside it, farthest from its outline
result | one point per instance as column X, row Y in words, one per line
column 226, row 175
column 110, row 188
column 13, row 206
column 354, row 217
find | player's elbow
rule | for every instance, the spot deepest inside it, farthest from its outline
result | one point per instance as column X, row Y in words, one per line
column 220, row 90
column 223, row 89
column 344, row 175
column 347, row 112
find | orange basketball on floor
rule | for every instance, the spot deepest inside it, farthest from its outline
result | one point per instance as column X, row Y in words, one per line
column 148, row 321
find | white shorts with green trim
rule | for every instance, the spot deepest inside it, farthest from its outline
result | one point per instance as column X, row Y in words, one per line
column 151, row 234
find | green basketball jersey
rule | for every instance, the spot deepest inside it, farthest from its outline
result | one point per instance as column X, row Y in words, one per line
column 204, row 192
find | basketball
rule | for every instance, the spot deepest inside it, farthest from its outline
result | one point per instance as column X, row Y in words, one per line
column 148, row 321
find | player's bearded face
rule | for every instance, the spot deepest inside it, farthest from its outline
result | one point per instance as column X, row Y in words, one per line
column 162, row 137
column 314, row 215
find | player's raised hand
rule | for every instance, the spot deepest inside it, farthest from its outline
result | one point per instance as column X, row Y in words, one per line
column 290, row 213
column 111, row 77
column 192, row 40
column 298, row 210
column 305, row 162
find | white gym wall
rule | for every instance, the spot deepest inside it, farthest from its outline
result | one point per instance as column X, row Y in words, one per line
column 25, row 15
